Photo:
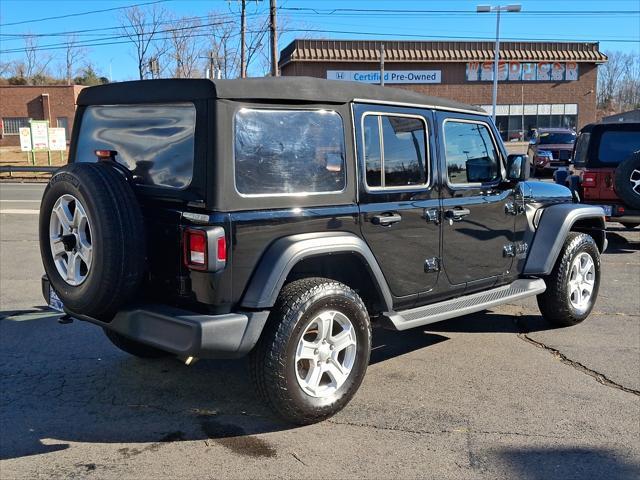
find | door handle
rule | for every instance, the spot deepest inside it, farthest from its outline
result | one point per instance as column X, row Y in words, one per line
column 456, row 214
column 386, row 220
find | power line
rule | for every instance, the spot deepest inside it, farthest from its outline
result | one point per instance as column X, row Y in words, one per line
column 342, row 32
column 339, row 11
column 79, row 14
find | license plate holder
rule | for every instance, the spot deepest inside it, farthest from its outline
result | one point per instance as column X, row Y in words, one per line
column 54, row 301
column 608, row 210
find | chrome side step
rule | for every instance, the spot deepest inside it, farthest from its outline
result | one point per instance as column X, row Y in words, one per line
column 466, row 304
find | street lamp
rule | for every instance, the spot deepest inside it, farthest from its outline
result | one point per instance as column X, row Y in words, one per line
column 496, row 55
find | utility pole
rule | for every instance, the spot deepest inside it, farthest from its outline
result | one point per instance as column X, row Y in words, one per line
column 243, row 28
column 274, row 39
column 382, row 64
column 212, row 74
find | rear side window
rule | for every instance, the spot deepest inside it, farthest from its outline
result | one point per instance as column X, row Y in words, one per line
column 155, row 142
column 402, row 141
column 470, row 153
column 289, row 152
column 582, row 147
column 616, row 146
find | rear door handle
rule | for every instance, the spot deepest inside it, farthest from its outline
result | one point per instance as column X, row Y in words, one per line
column 457, row 213
column 385, row 220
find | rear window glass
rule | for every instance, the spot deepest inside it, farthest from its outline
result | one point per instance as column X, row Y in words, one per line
column 618, row 146
column 155, row 142
column 284, row 152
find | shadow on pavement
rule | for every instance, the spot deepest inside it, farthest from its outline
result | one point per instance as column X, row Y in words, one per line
column 67, row 383
column 620, row 244
column 488, row 322
column 567, row 463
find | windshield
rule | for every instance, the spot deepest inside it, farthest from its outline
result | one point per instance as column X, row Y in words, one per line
column 548, row 138
column 618, row 146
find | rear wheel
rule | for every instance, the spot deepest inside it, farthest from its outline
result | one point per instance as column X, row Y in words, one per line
column 92, row 239
column 314, row 352
column 572, row 285
column 627, row 180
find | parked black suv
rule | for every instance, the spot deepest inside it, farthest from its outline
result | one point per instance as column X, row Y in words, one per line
column 279, row 217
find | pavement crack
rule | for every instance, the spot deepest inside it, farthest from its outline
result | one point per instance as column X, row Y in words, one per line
column 599, row 377
column 293, row 454
column 443, row 431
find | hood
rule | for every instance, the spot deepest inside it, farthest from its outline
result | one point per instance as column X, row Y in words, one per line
column 544, row 193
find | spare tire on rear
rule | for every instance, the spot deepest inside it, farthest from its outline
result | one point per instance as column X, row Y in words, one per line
column 92, row 239
column 627, row 180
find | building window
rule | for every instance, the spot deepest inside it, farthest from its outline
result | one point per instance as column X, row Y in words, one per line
column 519, row 122
column 470, row 153
column 63, row 122
column 403, row 162
column 12, row 125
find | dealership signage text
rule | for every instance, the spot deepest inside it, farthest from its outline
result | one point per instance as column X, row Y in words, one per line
column 390, row 76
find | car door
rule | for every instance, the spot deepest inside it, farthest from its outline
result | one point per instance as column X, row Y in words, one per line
column 398, row 198
column 478, row 205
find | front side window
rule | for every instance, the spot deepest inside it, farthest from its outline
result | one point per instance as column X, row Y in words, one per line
column 403, row 161
column 288, row 152
column 470, row 153
column 155, row 142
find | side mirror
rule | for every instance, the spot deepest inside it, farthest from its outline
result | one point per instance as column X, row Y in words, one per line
column 517, row 167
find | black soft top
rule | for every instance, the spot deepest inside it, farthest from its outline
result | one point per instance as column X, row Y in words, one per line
column 297, row 89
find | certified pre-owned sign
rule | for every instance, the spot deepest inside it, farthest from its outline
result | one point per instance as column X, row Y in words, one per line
column 390, row 76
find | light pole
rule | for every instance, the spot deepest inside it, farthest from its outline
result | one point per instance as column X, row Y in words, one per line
column 496, row 55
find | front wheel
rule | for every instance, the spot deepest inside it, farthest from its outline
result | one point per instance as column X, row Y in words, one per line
column 314, row 352
column 572, row 285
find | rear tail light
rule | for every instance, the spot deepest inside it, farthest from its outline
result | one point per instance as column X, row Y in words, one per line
column 205, row 248
column 589, row 180
column 195, row 249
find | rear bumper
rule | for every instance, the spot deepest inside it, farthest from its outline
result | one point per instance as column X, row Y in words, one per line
column 619, row 213
column 182, row 332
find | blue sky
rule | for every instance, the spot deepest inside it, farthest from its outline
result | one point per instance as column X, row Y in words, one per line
column 562, row 20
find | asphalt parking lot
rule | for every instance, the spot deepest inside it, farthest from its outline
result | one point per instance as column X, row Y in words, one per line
column 498, row 394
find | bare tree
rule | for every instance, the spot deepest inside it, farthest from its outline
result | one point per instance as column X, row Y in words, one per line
column 610, row 74
column 36, row 63
column 220, row 41
column 143, row 28
column 185, row 47
column 73, row 55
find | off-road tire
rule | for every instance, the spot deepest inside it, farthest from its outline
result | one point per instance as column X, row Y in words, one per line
column 117, row 234
column 272, row 364
column 554, row 303
column 134, row 348
column 623, row 183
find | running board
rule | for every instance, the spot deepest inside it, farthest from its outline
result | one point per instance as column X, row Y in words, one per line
column 466, row 304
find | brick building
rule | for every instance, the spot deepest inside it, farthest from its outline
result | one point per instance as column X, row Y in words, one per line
column 541, row 84
column 21, row 103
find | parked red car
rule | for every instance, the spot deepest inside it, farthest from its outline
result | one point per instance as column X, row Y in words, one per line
column 551, row 149
column 606, row 170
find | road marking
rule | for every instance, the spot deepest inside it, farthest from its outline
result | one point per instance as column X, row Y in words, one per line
column 19, row 211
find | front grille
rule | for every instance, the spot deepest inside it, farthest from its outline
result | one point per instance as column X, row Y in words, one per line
column 561, row 154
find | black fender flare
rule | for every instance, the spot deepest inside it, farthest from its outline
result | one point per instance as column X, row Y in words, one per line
column 283, row 254
column 555, row 223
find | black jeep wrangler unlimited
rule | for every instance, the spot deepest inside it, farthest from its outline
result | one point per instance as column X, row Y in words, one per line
column 280, row 217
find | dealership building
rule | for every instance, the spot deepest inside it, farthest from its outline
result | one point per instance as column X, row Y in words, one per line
column 541, row 84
